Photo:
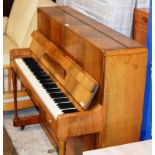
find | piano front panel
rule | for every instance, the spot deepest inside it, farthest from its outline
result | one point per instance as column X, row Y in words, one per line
column 84, row 53
column 38, row 49
column 74, row 79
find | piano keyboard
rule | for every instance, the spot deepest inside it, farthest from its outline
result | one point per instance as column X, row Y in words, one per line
column 53, row 98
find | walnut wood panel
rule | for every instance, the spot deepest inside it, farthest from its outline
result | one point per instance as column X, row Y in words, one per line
column 70, row 76
column 141, row 16
column 140, row 33
column 53, row 53
column 76, row 128
column 141, row 25
column 125, row 41
column 123, row 108
column 59, row 19
column 19, row 52
column 80, row 50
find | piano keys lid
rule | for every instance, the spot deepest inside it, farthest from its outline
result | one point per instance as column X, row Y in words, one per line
column 81, row 86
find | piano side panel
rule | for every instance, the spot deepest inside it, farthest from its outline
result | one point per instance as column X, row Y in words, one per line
column 123, row 95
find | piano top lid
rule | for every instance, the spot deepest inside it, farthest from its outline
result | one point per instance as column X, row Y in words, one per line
column 79, row 84
column 96, row 33
column 126, row 41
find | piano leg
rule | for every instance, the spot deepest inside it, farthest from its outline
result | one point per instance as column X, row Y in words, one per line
column 26, row 120
column 98, row 140
column 14, row 77
column 62, row 147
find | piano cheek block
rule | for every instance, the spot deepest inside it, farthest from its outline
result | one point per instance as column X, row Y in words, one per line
column 80, row 123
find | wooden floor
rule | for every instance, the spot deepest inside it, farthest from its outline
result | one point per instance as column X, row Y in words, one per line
column 8, row 148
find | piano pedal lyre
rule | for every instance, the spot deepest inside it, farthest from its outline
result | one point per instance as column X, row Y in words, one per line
column 53, row 150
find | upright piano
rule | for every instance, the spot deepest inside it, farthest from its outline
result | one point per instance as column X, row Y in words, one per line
column 86, row 80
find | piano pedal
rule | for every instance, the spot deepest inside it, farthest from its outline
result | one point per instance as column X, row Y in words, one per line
column 53, row 150
column 22, row 127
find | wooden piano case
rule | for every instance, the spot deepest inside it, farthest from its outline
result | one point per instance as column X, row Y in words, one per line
column 116, row 62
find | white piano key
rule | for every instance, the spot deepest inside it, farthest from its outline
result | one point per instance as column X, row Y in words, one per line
column 41, row 92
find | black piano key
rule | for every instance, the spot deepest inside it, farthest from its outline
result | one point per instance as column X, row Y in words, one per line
column 38, row 72
column 57, row 95
column 65, row 106
column 45, row 81
column 49, row 85
column 28, row 58
column 42, row 77
column 69, row 110
column 39, row 75
column 51, row 90
column 60, row 100
column 31, row 63
column 36, row 69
